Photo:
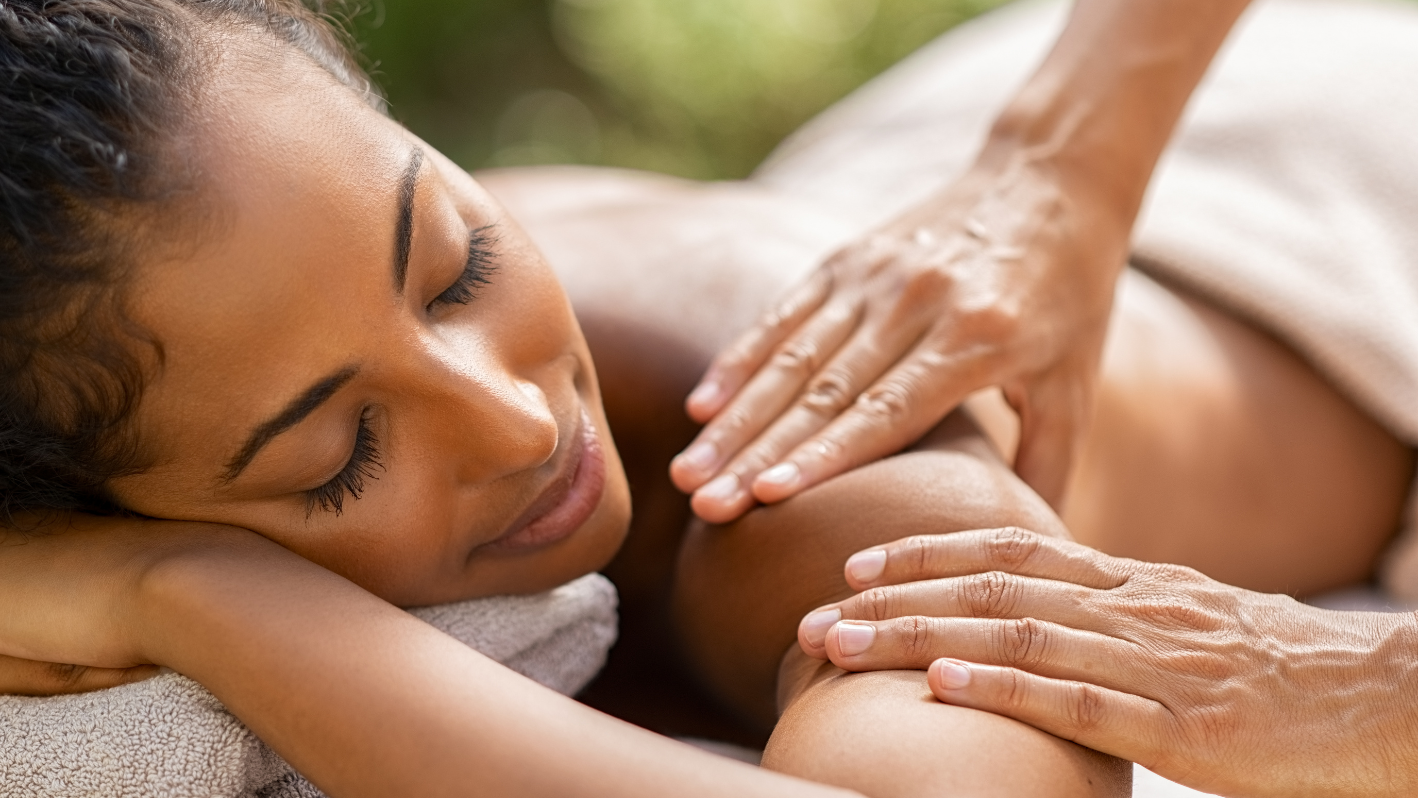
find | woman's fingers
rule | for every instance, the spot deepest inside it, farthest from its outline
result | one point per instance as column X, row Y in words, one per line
column 27, row 677
column 1113, row 722
column 1009, row 549
column 758, row 403
column 994, row 595
column 733, row 367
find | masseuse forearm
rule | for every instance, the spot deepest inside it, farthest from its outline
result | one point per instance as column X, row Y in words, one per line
column 368, row 701
column 1106, row 100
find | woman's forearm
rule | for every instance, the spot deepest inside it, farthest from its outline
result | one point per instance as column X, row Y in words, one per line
column 1104, row 103
column 365, row 700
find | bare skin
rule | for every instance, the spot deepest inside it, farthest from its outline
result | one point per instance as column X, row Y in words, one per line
column 263, row 593
column 1003, row 278
column 1203, row 398
column 1227, row 690
column 633, row 325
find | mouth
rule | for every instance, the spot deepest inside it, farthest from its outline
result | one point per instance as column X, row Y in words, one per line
column 567, row 502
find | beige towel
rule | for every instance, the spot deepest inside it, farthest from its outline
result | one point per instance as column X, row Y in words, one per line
column 169, row 738
column 1290, row 195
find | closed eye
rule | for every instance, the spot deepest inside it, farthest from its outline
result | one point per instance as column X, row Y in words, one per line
column 349, row 483
column 477, row 271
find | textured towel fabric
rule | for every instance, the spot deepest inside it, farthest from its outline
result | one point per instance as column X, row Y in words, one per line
column 1289, row 196
column 169, row 738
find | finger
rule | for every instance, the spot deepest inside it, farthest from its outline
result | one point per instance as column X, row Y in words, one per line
column 1009, row 549
column 887, row 417
column 1048, row 649
column 732, row 367
column 1053, row 414
column 722, row 500
column 1114, row 722
column 31, row 678
column 993, row 594
column 761, row 401
column 832, row 391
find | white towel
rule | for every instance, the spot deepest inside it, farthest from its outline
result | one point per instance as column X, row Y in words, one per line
column 167, row 737
column 1289, row 196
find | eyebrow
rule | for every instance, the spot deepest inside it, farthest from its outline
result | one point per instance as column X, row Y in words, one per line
column 294, row 413
column 404, row 228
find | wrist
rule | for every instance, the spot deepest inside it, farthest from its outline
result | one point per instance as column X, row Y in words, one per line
column 191, row 585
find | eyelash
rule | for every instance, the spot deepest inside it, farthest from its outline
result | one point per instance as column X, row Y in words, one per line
column 350, row 482
column 364, row 460
column 476, row 274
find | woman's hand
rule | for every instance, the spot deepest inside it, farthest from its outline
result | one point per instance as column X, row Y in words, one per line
column 27, row 677
column 73, row 589
column 1006, row 279
column 1209, row 685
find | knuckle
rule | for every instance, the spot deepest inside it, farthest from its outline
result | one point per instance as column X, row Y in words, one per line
column 989, row 595
column 829, row 394
column 1014, row 690
column 878, row 604
column 796, row 357
column 1174, row 614
column 915, row 635
column 1020, row 643
column 828, row 448
column 1085, row 708
column 998, row 320
column 924, row 287
column 887, row 404
column 916, row 552
column 1010, row 548
column 732, row 425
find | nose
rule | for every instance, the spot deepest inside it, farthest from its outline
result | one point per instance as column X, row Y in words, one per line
column 492, row 420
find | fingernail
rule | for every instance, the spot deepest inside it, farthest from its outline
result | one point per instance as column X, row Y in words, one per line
column 783, row 475
column 854, row 638
column 705, row 394
column 815, row 626
column 866, row 566
column 723, row 488
column 701, row 456
column 952, row 675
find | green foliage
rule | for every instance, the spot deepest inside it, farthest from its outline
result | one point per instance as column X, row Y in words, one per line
column 701, row 88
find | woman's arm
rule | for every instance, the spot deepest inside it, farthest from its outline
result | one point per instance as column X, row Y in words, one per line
column 741, row 590
column 359, row 696
column 1004, row 278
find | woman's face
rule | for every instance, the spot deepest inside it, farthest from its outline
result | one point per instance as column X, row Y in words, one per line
column 364, row 360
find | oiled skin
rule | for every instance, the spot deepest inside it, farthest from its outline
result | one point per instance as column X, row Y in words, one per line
column 1180, row 465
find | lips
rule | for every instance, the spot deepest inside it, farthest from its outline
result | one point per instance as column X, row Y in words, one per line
column 566, row 504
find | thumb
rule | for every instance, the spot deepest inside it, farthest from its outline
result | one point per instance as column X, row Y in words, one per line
column 1054, row 412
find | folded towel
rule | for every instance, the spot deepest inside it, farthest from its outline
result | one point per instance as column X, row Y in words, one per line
column 167, row 737
column 1289, row 195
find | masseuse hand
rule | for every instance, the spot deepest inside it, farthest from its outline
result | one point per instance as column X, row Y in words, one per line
column 1219, row 688
column 1005, row 279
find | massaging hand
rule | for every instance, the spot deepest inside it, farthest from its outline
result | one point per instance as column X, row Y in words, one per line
column 1219, row 688
column 1006, row 279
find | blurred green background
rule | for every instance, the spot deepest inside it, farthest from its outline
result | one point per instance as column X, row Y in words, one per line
column 699, row 88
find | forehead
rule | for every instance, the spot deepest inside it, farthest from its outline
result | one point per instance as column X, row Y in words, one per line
column 298, row 179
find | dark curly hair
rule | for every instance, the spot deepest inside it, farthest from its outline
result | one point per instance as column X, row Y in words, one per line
column 91, row 92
